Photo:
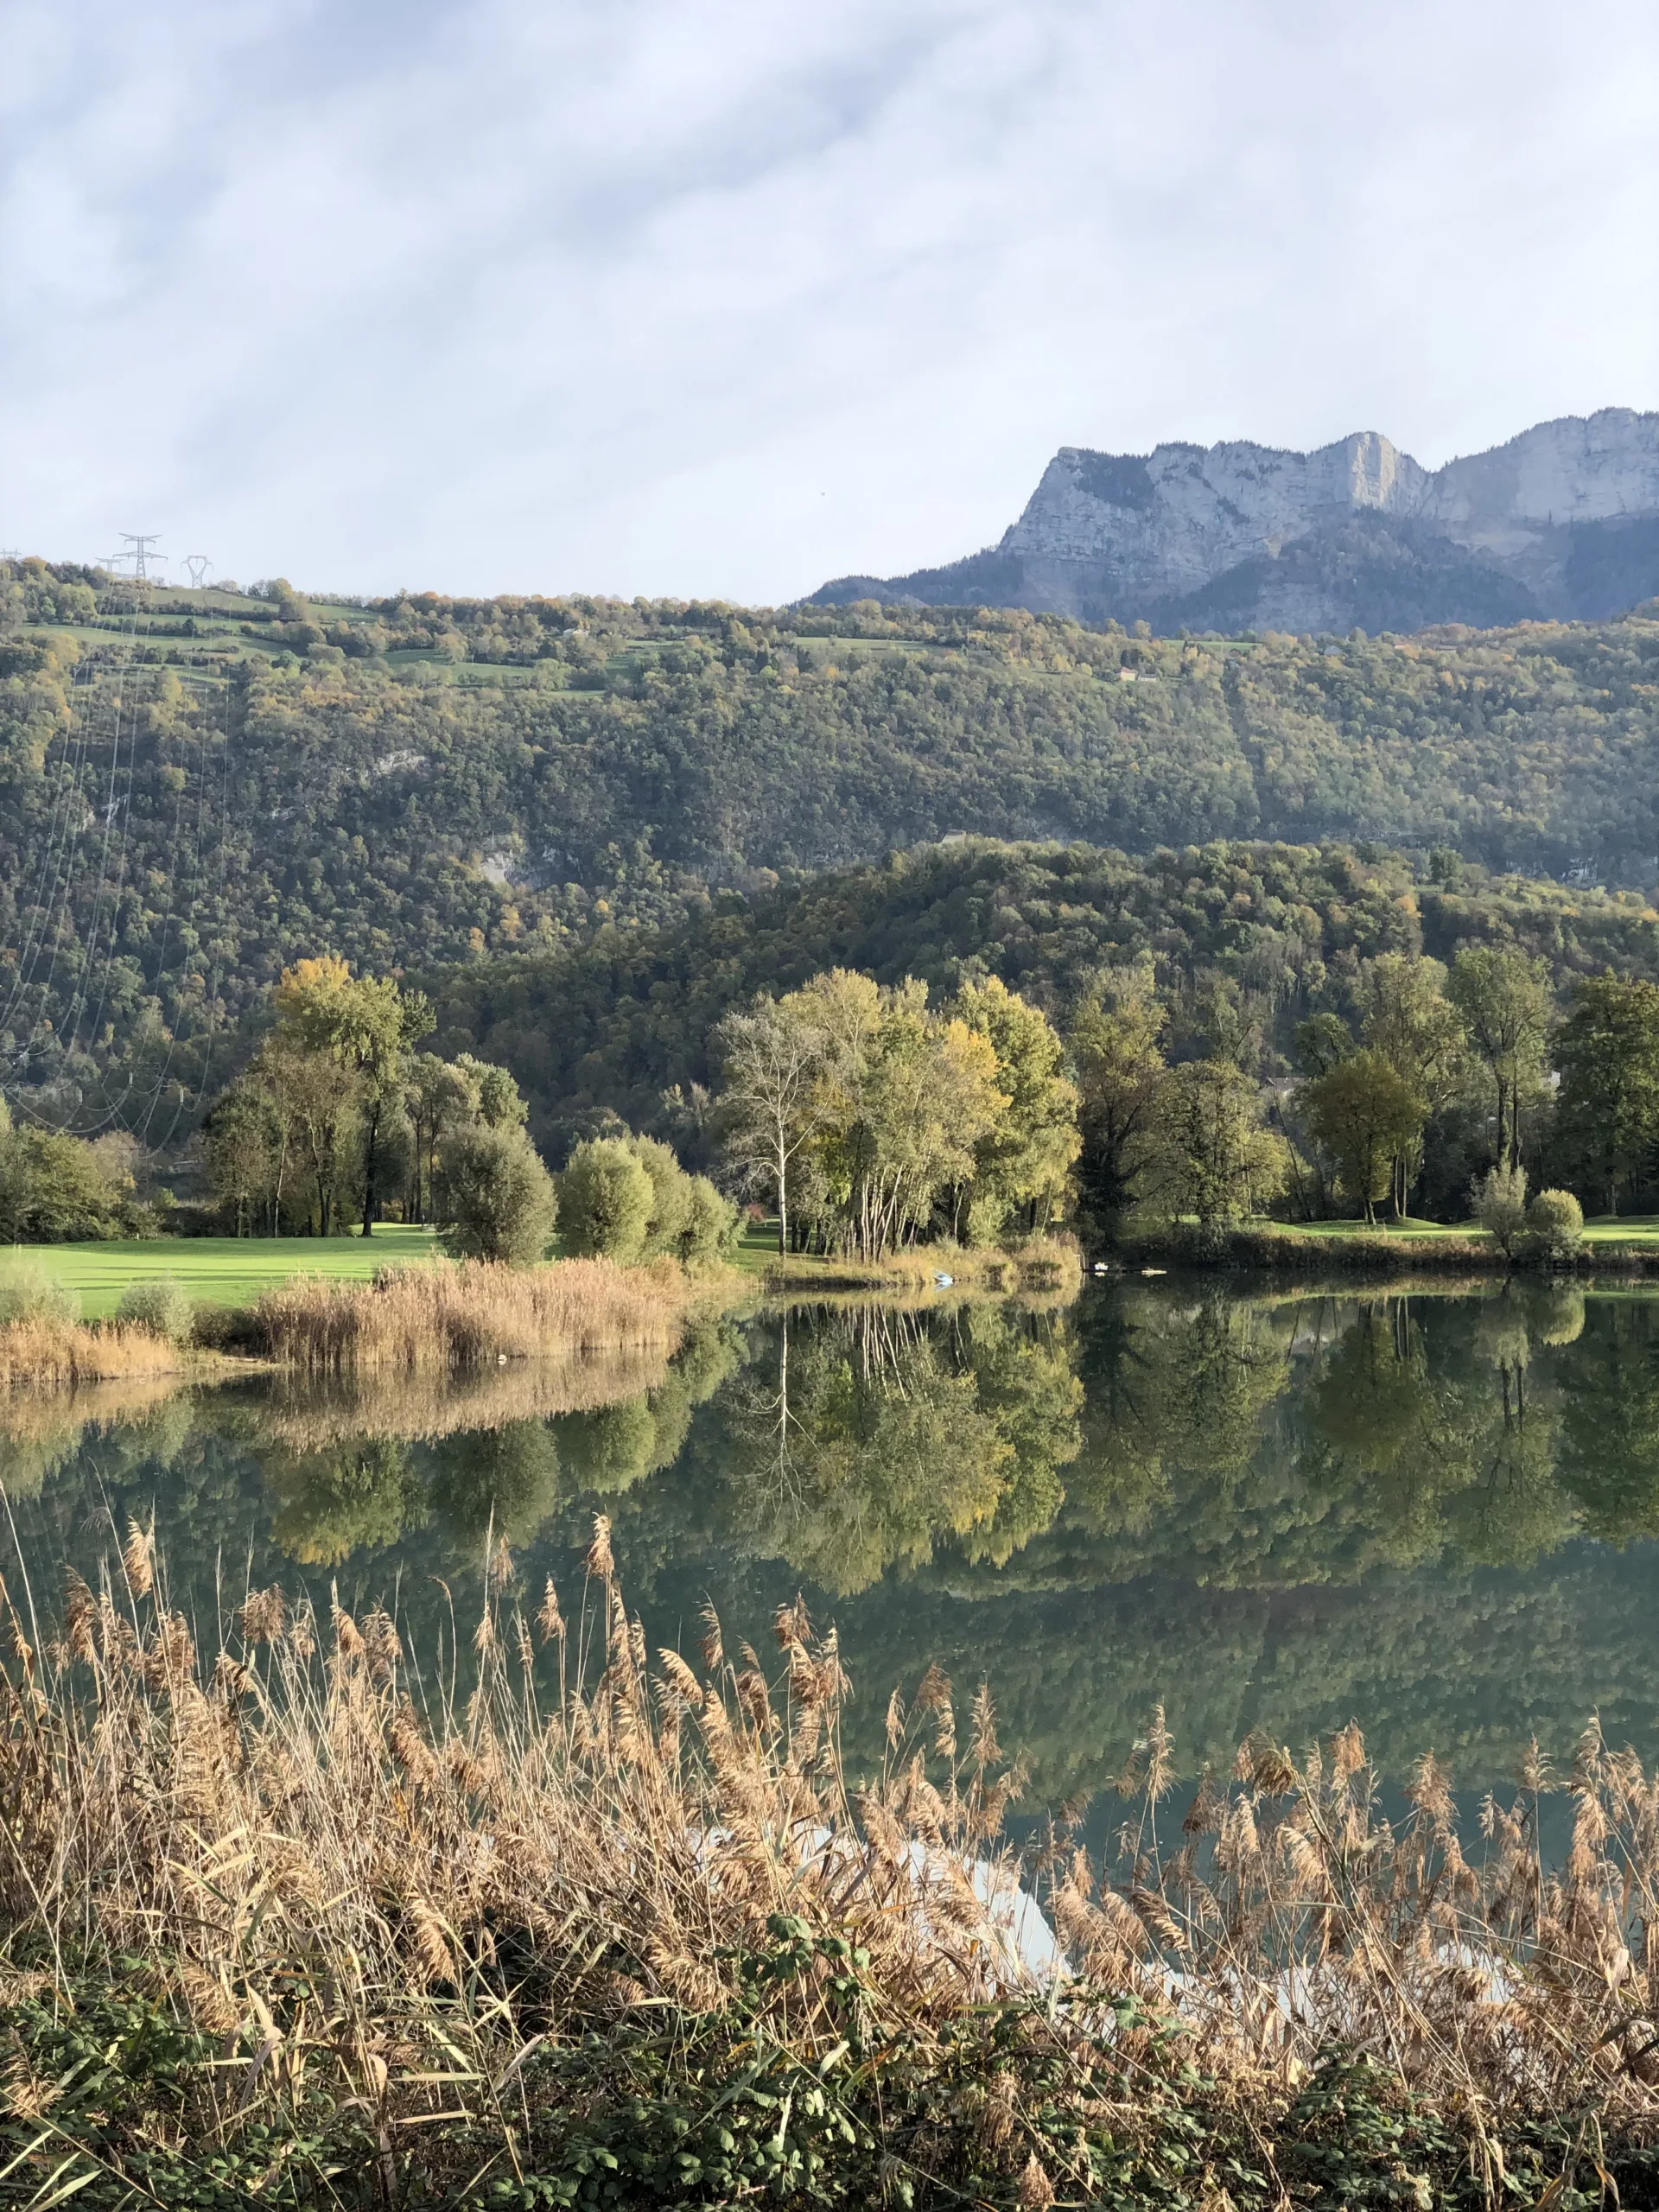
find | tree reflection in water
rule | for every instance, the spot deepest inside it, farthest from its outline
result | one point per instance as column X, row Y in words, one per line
column 1282, row 1508
column 877, row 1434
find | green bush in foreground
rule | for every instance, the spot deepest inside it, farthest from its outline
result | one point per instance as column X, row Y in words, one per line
column 628, row 1198
column 605, row 1201
column 497, row 1199
column 111, row 2101
column 1499, row 1203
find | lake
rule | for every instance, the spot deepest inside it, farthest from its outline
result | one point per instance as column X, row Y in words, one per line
column 1436, row 1513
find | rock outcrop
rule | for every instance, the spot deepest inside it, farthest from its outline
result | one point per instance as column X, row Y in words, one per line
column 1563, row 521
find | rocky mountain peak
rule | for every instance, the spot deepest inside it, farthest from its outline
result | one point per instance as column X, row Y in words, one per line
column 1562, row 520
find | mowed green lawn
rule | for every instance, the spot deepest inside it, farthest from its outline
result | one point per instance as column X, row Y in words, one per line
column 222, row 1270
column 1638, row 1230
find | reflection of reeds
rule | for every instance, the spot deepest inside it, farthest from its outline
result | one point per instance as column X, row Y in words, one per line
column 310, row 1417
column 40, row 1430
column 370, row 1907
column 38, row 1353
column 56, row 1420
column 441, row 1319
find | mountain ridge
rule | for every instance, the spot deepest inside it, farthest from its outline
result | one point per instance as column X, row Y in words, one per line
column 1560, row 522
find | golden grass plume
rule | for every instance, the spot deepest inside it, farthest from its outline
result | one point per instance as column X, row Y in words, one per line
column 40, row 1352
column 589, row 1838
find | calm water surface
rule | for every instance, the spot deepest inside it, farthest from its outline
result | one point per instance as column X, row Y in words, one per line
column 1437, row 1514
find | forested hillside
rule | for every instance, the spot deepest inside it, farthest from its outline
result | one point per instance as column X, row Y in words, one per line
column 1277, row 932
column 198, row 788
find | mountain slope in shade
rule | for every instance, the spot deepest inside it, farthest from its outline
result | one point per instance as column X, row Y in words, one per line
column 1561, row 522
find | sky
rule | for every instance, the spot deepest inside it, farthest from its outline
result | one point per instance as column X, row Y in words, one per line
column 720, row 298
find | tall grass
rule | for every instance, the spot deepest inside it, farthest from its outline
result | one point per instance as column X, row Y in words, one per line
column 1046, row 1265
column 604, row 1911
column 40, row 1352
column 416, row 1320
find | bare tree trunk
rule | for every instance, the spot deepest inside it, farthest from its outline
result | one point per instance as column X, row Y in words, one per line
column 371, row 1171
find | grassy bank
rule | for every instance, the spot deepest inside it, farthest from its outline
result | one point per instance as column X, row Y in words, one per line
column 1345, row 1247
column 436, row 1320
column 40, row 1353
column 282, row 1924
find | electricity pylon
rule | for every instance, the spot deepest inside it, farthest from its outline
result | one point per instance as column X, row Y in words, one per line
column 141, row 544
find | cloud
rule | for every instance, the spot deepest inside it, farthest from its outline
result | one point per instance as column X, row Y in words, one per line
column 724, row 298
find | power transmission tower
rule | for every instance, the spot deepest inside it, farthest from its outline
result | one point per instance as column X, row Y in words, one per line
column 140, row 550
column 199, row 565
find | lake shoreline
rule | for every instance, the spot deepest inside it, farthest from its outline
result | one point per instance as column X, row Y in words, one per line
column 1380, row 1252
column 455, row 1320
column 1045, row 1266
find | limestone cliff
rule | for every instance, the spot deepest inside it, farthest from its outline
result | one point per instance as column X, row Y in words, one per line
column 1562, row 521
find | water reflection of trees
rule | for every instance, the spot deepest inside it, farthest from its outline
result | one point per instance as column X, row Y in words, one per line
column 1217, row 1438
column 1609, row 1396
column 1234, row 1440
column 1261, row 1509
column 871, row 1437
column 365, row 1491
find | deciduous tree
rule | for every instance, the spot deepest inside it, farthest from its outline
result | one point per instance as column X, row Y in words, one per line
column 1607, row 1050
column 1503, row 998
column 1368, row 1116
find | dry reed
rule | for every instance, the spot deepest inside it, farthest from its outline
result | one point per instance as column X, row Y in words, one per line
column 415, row 1320
column 409, row 1899
column 1048, row 1267
column 41, row 1353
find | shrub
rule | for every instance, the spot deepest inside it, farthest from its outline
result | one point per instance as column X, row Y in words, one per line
column 28, row 1292
column 1555, row 1226
column 671, row 1201
column 712, row 1224
column 606, row 1197
column 1500, row 1203
column 496, row 1200
column 684, row 1216
column 158, row 1304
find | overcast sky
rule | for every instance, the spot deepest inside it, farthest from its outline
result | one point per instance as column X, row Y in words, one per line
column 727, row 297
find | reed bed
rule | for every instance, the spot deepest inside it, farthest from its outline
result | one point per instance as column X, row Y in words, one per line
column 441, row 1319
column 1051, row 1267
column 40, row 1352
column 295, row 1923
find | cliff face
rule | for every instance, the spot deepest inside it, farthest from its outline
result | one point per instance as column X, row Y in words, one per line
column 1562, row 521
